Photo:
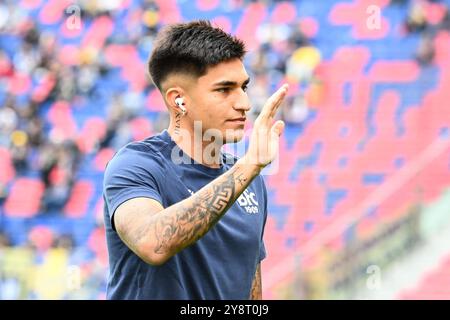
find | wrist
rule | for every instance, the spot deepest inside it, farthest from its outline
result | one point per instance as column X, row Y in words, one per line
column 250, row 165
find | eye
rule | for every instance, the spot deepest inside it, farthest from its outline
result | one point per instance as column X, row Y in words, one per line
column 223, row 90
column 245, row 88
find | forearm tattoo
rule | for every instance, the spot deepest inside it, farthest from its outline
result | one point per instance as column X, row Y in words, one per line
column 190, row 222
column 241, row 179
column 256, row 293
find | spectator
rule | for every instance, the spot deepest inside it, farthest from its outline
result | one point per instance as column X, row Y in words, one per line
column 416, row 21
column 425, row 53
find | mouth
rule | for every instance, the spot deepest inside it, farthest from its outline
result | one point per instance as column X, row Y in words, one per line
column 240, row 120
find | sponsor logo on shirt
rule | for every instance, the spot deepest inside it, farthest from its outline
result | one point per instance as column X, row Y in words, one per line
column 247, row 200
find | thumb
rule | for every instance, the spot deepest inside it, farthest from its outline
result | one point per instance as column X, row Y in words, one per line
column 278, row 127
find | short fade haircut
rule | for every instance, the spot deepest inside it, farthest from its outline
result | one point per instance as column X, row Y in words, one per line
column 191, row 48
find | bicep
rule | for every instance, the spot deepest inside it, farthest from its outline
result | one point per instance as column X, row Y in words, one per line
column 132, row 221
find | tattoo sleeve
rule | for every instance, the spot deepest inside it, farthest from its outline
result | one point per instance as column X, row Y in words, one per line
column 180, row 225
column 256, row 293
column 192, row 220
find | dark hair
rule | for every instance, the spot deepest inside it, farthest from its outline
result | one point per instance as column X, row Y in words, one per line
column 191, row 48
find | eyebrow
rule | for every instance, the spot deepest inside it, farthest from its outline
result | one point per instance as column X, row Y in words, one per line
column 227, row 83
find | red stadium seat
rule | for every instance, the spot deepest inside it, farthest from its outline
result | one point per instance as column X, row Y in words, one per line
column 19, row 83
column 62, row 120
column 46, row 85
column 141, row 128
column 53, row 11
column 69, row 55
column 118, row 54
column 30, row 4
column 24, row 198
column 41, row 237
column 93, row 131
column 169, row 12
column 405, row 71
column 102, row 158
column 78, row 202
column 434, row 12
column 284, row 13
column 155, row 102
column 7, row 171
column 442, row 48
column 97, row 243
column 98, row 32
column 356, row 14
column 223, row 22
column 207, row 5
column 254, row 14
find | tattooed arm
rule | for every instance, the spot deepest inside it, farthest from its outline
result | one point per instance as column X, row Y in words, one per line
column 256, row 293
column 157, row 237
column 156, row 234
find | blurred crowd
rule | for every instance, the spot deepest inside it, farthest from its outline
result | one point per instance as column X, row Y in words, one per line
column 34, row 79
column 426, row 18
column 50, row 267
column 35, row 145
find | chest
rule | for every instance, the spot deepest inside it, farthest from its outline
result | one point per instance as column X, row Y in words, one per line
column 242, row 223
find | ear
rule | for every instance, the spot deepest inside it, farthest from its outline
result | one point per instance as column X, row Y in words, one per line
column 170, row 96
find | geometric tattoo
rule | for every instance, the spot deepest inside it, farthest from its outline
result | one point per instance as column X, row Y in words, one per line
column 191, row 222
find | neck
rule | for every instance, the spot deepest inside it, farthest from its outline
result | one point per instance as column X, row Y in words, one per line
column 191, row 142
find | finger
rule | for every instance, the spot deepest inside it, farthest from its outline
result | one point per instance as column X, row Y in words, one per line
column 273, row 102
column 278, row 98
column 278, row 127
column 278, row 104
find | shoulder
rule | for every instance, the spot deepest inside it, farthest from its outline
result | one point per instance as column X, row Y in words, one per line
column 136, row 156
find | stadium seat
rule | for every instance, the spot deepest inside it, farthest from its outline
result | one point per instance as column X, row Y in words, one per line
column 8, row 172
column 24, row 198
column 78, row 202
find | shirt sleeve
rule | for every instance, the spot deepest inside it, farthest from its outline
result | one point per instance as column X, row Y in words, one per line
column 130, row 174
column 262, row 249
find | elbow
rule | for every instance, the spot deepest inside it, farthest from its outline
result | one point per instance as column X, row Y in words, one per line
column 152, row 257
column 156, row 260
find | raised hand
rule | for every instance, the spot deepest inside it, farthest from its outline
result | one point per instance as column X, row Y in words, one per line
column 264, row 140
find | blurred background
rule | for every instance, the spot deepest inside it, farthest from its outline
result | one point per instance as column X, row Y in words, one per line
column 360, row 203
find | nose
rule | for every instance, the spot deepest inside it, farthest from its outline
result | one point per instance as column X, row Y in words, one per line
column 242, row 101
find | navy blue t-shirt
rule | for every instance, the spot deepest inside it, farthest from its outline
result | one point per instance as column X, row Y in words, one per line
column 220, row 265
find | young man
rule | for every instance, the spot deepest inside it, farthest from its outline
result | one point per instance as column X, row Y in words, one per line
column 174, row 227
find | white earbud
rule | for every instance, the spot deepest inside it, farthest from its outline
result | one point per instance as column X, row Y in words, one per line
column 180, row 103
